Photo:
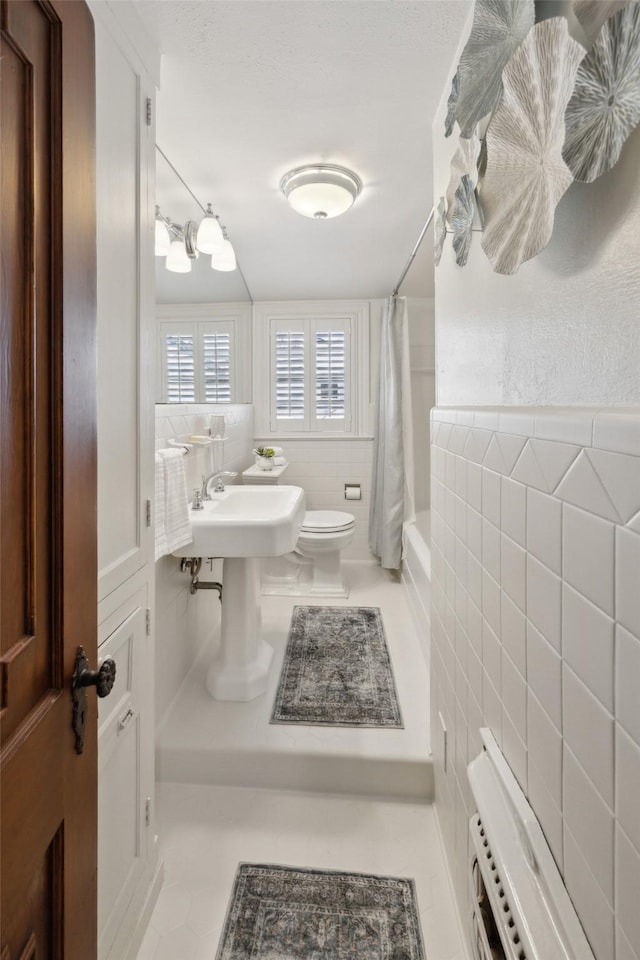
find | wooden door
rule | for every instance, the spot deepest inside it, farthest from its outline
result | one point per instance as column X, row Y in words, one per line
column 47, row 477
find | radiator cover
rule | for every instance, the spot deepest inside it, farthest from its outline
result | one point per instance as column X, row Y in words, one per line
column 513, row 874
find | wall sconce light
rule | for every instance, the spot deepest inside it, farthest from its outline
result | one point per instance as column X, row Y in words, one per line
column 178, row 261
column 210, row 235
column 182, row 245
column 224, row 257
column 321, row 190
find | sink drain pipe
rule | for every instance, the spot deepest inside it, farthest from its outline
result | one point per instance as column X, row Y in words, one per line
column 192, row 566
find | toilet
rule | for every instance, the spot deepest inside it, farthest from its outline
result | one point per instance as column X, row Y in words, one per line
column 313, row 568
column 323, row 536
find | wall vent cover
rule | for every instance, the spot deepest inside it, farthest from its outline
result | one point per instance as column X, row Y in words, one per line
column 520, row 908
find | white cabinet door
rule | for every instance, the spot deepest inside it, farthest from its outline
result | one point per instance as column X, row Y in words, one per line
column 124, row 183
column 123, row 790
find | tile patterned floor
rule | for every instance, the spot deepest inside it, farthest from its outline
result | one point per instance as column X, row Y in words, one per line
column 207, row 827
column 206, row 831
column 234, row 744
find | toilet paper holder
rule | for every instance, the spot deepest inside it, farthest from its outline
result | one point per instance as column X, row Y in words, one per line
column 352, row 491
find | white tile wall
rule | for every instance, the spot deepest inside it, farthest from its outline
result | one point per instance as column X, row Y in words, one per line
column 183, row 623
column 537, row 635
column 321, row 468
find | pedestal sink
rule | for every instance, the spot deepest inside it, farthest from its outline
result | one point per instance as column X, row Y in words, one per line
column 241, row 525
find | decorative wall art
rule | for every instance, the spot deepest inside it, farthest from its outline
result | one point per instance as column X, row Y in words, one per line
column 499, row 27
column 462, row 219
column 554, row 112
column 526, row 175
column 439, row 230
column 464, row 163
column 591, row 14
column 605, row 106
column 450, row 118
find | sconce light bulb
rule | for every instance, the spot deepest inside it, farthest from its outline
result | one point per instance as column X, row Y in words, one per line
column 209, row 236
column 177, row 260
column 224, row 258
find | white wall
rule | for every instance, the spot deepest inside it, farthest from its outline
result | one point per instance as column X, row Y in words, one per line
column 534, row 552
column 184, row 623
column 536, row 634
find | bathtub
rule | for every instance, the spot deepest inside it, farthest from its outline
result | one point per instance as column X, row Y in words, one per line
column 416, row 573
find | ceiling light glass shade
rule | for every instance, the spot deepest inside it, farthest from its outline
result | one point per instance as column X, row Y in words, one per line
column 224, row 257
column 321, row 191
column 177, row 260
column 163, row 240
column 210, row 235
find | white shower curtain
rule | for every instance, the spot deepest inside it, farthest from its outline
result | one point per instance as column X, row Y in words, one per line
column 392, row 501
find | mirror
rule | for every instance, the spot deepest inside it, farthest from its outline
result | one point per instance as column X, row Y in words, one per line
column 202, row 284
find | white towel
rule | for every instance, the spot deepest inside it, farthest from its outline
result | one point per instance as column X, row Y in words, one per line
column 161, row 534
column 173, row 527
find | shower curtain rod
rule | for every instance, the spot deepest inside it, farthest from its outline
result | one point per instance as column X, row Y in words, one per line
column 413, row 253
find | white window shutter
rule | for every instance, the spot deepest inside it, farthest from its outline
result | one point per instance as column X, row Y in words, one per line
column 178, row 363
column 289, row 403
column 198, row 361
column 332, row 375
column 217, row 346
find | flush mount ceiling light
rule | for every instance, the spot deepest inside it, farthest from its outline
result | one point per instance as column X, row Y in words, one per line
column 321, row 190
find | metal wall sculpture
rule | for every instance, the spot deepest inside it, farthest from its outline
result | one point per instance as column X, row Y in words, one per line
column 605, row 106
column 555, row 113
column 591, row 14
column 439, row 230
column 464, row 163
column 499, row 27
column 526, row 175
column 450, row 119
column 462, row 219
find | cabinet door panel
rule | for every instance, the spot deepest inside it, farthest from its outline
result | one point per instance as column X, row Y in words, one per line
column 121, row 822
column 122, row 252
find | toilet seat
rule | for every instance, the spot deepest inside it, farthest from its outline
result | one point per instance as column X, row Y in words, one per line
column 326, row 521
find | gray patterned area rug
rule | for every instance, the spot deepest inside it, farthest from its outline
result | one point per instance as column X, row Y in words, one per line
column 337, row 670
column 284, row 913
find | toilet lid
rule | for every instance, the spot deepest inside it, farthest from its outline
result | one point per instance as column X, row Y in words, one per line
column 326, row 521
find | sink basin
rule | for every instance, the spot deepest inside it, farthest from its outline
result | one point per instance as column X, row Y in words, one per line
column 246, row 521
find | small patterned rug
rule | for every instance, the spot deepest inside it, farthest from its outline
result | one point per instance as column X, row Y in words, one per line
column 284, row 913
column 337, row 670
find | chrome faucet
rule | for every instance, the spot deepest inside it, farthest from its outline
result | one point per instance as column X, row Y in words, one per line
column 219, row 476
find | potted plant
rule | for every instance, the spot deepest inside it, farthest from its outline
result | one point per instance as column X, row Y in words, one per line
column 264, row 457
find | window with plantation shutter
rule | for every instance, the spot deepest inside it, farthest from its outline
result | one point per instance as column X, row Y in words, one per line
column 289, row 375
column 330, row 375
column 310, row 374
column 180, row 368
column 197, row 361
column 216, row 357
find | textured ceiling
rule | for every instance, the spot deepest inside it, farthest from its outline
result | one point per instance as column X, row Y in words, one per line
column 252, row 88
